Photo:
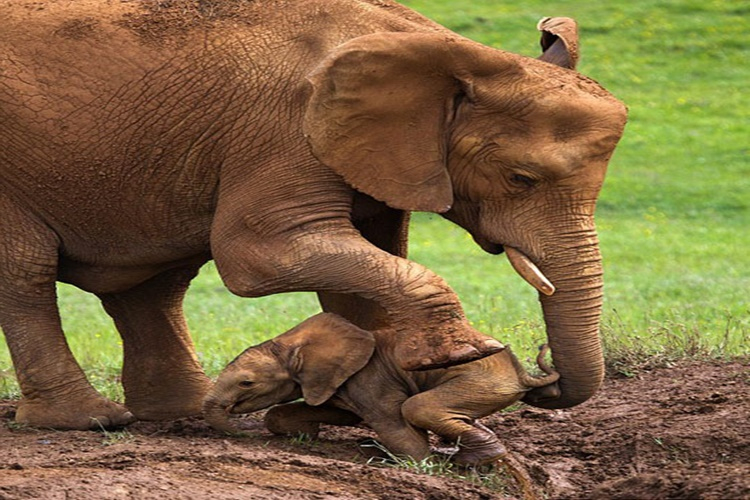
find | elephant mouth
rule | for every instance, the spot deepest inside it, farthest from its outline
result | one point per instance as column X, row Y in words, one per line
column 240, row 407
column 521, row 263
column 488, row 246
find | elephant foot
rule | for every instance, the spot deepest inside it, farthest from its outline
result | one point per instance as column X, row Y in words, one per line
column 176, row 397
column 91, row 413
column 479, row 446
column 426, row 351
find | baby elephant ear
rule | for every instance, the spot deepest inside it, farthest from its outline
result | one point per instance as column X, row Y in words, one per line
column 559, row 41
column 377, row 116
column 330, row 350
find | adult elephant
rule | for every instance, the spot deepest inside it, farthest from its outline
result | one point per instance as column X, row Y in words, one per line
column 288, row 141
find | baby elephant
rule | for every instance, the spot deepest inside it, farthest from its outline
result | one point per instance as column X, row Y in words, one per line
column 348, row 376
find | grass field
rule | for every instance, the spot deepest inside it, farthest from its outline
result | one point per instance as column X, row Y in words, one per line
column 674, row 216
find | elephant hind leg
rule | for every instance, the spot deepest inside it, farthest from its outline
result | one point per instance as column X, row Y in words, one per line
column 55, row 391
column 161, row 374
column 477, row 445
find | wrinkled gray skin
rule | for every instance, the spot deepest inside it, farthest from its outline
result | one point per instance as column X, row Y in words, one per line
column 287, row 140
column 349, row 376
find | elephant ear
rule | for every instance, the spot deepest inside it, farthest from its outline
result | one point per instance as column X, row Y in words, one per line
column 559, row 41
column 377, row 117
column 327, row 350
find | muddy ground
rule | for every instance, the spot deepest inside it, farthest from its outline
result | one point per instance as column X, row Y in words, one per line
column 679, row 432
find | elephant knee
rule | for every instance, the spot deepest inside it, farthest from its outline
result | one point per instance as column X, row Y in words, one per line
column 415, row 412
column 426, row 413
column 403, row 439
column 248, row 269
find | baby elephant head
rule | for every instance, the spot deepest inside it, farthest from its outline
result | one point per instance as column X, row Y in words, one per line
column 311, row 360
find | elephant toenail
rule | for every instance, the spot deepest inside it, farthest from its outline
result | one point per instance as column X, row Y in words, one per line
column 465, row 353
column 493, row 345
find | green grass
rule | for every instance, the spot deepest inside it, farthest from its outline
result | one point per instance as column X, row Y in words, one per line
column 674, row 215
column 493, row 477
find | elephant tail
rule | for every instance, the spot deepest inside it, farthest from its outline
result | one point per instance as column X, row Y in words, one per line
column 531, row 382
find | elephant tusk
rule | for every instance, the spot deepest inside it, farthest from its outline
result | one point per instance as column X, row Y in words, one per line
column 528, row 271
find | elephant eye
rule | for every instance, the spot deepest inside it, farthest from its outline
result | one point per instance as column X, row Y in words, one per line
column 246, row 383
column 522, row 180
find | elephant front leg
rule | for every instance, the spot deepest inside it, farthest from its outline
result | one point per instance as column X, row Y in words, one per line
column 161, row 374
column 387, row 229
column 432, row 330
column 395, row 435
column 297, row 418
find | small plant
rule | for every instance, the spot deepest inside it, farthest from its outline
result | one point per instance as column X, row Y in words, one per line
column 303, row 439
column 117, row 437
column 8, row 385
column 440, row 465
column 114, row 437
column 434, row 465
column 675, row 452
column 16, row 426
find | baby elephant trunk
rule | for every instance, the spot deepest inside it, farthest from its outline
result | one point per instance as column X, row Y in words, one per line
column 216, row 413
column 547, row 381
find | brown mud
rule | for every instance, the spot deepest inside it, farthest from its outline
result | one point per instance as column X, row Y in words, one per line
column 668, row 433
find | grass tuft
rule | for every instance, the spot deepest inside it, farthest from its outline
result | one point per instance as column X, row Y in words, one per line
column 663, row 344
column 303, row 439
column 441, row 465
column 117, row 437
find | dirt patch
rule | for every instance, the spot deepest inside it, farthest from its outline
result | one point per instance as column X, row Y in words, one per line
column 681, row 432
column 157, row 20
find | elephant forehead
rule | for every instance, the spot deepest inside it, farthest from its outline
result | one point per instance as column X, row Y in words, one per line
column 563, row 153
column 586, row 124
column 256, row 362
column 558, row 134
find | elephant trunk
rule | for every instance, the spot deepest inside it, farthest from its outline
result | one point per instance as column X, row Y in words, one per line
column 572, row 315
column 216, row 412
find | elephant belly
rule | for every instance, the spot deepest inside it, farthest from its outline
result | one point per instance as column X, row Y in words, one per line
column 102, row 279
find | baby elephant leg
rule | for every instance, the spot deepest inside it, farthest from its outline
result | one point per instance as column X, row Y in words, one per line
column 396, row 435
column 301, row 418
column 434, row 411
column 400, row 438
